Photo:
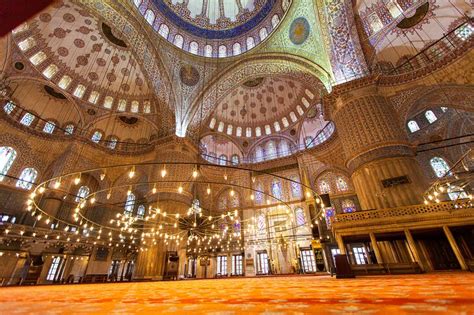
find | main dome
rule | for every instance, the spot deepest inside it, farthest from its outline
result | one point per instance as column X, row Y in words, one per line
column 214, row 28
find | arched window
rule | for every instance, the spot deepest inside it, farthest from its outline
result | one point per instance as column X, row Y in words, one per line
column 237, row 50
column 69, row 129
column 49, row 127
column 375, row 22
column 235, row 159
column 295, row 187
column 444, row 109
column 222, row 51
column 150, row 16
column 261, row 223
column 223, row 159
column 259, row 154
column 7, row 156
column 456, row 192
column 439, row 166
column 250, row 43
column 430, row 116
column 276, row 189
column 329, row 214
column 208, row 51
column 137, row 2
column 64, row 82
column 112, row 143
column 108, row 102
column 348, row 206
column 27, row 119
column 129, row 204
column 413, row 126
column 275, row 20
column 270, row 150
column 308, row 142
column 164, row 30
column 222, row 202
column 193, row 48
column 300, row 218
column 212, row 157
column 283, row 149
column 263, row 33
column 141, row 211
column 324, row 187
column 9, row 107
column 341, row 184
column 82, row 193
column 50, row 71
column 178, row 41
column 27, row 178
column 259, row 194
column 122, row 105
column 258, row 131
column 96, row 136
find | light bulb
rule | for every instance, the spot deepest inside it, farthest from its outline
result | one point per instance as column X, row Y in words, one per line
column 180, row 189
column 308, row 194
column 102, row 176
column 92, row 200
column 208, row 190
column 232, row 193
column 41, row 190
column 131, row 173
column 195, row 173
column 252, row 197
column 163, row 172
column 57, row 184
column 153, row 190
column 77, row 180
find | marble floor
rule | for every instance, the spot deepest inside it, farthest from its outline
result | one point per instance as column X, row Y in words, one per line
column 441, row 293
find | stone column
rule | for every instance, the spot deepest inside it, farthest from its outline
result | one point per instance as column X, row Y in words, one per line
column 414, row 249
column 455, row 247
column 375, row 247
column 375, row 146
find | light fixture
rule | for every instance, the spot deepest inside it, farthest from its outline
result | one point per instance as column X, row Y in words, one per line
column 77, row 180
column 41, row 190
column 57, row 184
column 163, row 172
column 131, row 174
column 208, row 190
column 180, row 189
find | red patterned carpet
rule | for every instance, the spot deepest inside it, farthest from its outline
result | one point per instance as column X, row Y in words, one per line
column 444, row 293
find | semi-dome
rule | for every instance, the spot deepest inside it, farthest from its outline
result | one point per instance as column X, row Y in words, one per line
column 214, row 28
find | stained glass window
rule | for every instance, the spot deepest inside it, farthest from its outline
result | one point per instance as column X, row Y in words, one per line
column 413, row 126
column 259, row 194
column 69, row 129
column 7, row 156
column 49, row 127
column 456, row 192
column 141, row 211
column 235, row 159
column 261, row 223
column 129, row 203
column 324, row 187
column 348, row 206
column 222, row 202
column 284, row 149
column 96, row 136
column 270, row 150
column 82, row 193
column 164, row 30
column 222, row 160
column 300, row 218
column 27, row 119
column 112, row 143
column 150, row 16
column 250, row 43
column 276, row 189
column 439, row 166
column 234, row 201
column 329, row 214
column 9, row 107
column 258, row 154
column 341, row 184
column 27, row 178
column 430, row 116
column 308, row 142
column 295, row 187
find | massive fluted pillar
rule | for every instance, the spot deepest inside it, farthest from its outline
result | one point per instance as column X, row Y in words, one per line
column 384, row 171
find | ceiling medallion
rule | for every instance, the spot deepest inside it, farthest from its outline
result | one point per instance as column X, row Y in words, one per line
column 299, row 31
column 189, row 75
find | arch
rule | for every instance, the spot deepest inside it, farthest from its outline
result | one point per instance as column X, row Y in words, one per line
column 257, row 66
column 141, row 211
column 341, row 184
column 178, row 40
column 27, row 178
column 236, row 49
column 49, row 127
column 96, row 136
column 348, row 206
column 250, row 42
column 194, row 48
column 7, row 157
